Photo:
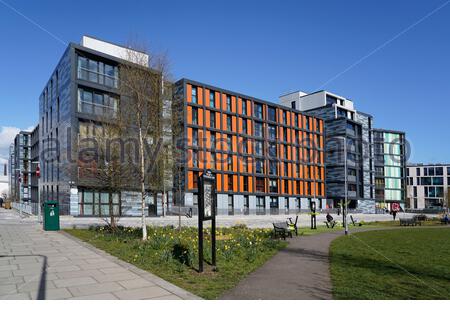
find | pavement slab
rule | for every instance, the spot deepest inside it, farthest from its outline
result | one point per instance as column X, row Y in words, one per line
column 35, row 264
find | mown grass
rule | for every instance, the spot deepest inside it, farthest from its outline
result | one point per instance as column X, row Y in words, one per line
column 172, row 255
column 402, row 263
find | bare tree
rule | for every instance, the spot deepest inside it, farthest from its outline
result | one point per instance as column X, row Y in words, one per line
column 101, row 162
column 141, row 105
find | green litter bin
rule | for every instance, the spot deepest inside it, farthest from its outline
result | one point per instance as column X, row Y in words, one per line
column 51, row 216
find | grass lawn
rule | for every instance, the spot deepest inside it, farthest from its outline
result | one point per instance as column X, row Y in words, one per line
column 172, row 255
column 402, row 263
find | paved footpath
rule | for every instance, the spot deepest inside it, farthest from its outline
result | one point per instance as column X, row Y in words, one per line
column 52, row 265
column 300, row 271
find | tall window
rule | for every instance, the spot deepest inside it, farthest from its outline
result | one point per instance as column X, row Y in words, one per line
column 195, row 158
column 273, row 186
column 212, row 99
column 260, row 203
column 272, row 132
column 228, row 103
column 244, row 107
column 259, row 148
column 258, row 111
column 272, row 114
column 194, row 116
column 229, row 128
column 259, row 129
column 213, row 140
column 212, row 120
column 260, row 185
column 98, row 72
column 194, row 137
column 244, row 126
column 259, row 165
column 194, row 94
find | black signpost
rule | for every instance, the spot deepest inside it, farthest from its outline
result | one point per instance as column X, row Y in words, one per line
column 206, row 211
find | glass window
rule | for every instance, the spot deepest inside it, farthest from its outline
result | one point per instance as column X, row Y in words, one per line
column 272, row 150
column 194, row 116
column 194, row 137
column 259, row 148
column 244, row 126
column 212, row 120
column 260, row 202
column 260, row 185
column 228, row 103
column 272, row 114
column 98, row 72
column 258, row 112
column 194, row 94
column 258, row 129
column 273, row 186
column 213, row 140
column 273, row 202
column 212, row 99
column 244, row 107
column 273, row 168
column 272, row 132
column 439, row 171
column 229, row 123
column 259, row 165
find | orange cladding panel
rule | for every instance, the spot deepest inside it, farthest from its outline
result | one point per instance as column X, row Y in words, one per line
column 189, row 93
column 219, row 182
column 207, row 97
column 189, row 114
column 200, row 95
column 190, row 180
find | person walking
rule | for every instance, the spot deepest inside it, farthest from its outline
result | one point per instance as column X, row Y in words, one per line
column 1, row 202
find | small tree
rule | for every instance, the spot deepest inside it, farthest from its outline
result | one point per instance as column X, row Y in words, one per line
column 142, row 98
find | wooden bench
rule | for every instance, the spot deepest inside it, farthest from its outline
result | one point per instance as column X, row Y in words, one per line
column 409, row 221
column 281, row 229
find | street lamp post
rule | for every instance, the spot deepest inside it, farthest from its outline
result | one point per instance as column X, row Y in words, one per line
column 344, row 215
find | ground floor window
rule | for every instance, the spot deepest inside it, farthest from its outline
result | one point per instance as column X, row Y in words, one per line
column 260, row 202
column 273, row 202
column 96, row 203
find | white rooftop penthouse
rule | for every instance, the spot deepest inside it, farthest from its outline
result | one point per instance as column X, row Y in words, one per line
column 114, row 50
column 303, row 101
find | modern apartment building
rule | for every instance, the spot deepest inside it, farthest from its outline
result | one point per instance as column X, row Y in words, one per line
column 35, row 171
column 343, row 124
column 20, row 168
column 12, row 173
column 4, row 180
column 428, row 186
column 81, row 93
column 390, row 168
column 266, row 157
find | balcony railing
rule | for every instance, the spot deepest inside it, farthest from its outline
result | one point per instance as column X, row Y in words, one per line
column 97, row 109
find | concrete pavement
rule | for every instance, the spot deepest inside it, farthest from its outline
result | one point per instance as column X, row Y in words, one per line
column 52, row 265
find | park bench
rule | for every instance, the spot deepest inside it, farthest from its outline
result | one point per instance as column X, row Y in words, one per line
column 293, row 225
column 409, row 221
column 330, row 224
column 355, row 222
column 281, row 229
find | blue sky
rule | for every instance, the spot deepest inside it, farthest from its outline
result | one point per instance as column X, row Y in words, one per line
column 258, row 48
